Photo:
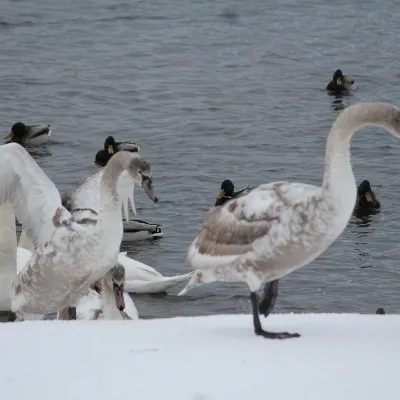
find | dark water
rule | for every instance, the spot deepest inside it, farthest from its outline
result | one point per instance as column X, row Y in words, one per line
column 214, row 90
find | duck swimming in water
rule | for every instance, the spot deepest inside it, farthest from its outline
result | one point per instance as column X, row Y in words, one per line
column 228, row 192
column 29, row 134
column 111, row 147
column 366, row 198
column 340, row 82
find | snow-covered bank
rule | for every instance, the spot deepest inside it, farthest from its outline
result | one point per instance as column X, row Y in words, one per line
column 338, row 357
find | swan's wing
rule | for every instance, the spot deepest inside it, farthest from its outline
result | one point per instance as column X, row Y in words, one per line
column 33, row 196
column 8, row 255
column 87, row 193
column 156, row 286
column 254, row 226
column 130, row 309
column 135, row 270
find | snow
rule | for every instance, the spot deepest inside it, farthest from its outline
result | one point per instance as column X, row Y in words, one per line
column 338, row 356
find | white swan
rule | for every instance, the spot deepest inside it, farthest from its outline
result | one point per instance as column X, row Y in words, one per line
column 71, row 250
column 87, row 194
column 139, row 277
column 281, row 226
column 106, row 299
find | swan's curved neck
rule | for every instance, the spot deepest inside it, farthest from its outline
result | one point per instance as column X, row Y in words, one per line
column 338, row 174
column 109, row 181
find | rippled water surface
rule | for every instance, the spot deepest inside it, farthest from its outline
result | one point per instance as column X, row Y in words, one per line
column 214, row 90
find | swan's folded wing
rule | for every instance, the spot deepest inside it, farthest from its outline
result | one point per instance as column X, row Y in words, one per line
column 33, row 196
column 252, row 226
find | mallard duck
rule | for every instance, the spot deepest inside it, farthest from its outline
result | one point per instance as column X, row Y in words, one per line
column 29, row 134
column 111, row 147
column 366, row 199
column 280, row 227
column 340, row 82
column 227, row 192
column 73, row 249
column 380, row 311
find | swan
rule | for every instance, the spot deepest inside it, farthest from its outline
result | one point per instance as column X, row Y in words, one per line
column 279, row 227
column 87, row 194
column 139, row 277
column 106, row 299
column 29, row 134
column 72, row 250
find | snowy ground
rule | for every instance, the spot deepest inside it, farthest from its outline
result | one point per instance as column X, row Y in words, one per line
column 338, row 357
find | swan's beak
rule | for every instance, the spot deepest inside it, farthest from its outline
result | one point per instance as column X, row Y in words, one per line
column 110, row 149
column 119, row 297
column 9, row 136
column 368, row 197
column 221, row 194
column 147, row 185
column 339, row 81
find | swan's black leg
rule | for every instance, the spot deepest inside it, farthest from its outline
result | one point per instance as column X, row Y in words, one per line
column 270, row 295
column 12, row 316
column 72, row 312
column 257, row 324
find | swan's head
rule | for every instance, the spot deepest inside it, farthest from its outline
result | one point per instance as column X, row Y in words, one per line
column 364, row 190
column 115, row 280
column 227, row 189
column 19, row 131
column 109, row 145
column 140, row 170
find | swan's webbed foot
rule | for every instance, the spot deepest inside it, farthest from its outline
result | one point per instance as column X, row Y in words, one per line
column 258, row 330
column 268, row 300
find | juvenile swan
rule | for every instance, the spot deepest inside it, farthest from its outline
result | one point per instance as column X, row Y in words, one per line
column 281, row 226
column 71, row 249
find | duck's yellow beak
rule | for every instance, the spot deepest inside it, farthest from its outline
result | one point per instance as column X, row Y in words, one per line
column 221, row 194
column 9, row 136
column 339, row 81
column 368, row 197
column 110, row 149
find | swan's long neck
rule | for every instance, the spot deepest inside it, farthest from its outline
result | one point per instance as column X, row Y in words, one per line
column 339, row 178
column 109, row 198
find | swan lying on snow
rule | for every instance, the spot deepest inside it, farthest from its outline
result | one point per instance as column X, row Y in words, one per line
column 281, row 226
column 72, row 250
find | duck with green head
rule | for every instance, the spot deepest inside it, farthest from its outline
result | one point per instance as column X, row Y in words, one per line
column 366, row 198
column 29, row 134
column 111, row 147
column 340, row 82
column 227, row 192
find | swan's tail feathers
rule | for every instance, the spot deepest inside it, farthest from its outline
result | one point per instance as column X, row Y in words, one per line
column 196, row 280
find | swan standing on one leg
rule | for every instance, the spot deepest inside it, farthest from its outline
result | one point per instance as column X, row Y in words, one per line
column 281, row 226
column 72, row 250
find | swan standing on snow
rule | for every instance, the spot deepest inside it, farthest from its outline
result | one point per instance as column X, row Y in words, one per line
column 72, row 250
column 281, row 226
column 106, row 299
